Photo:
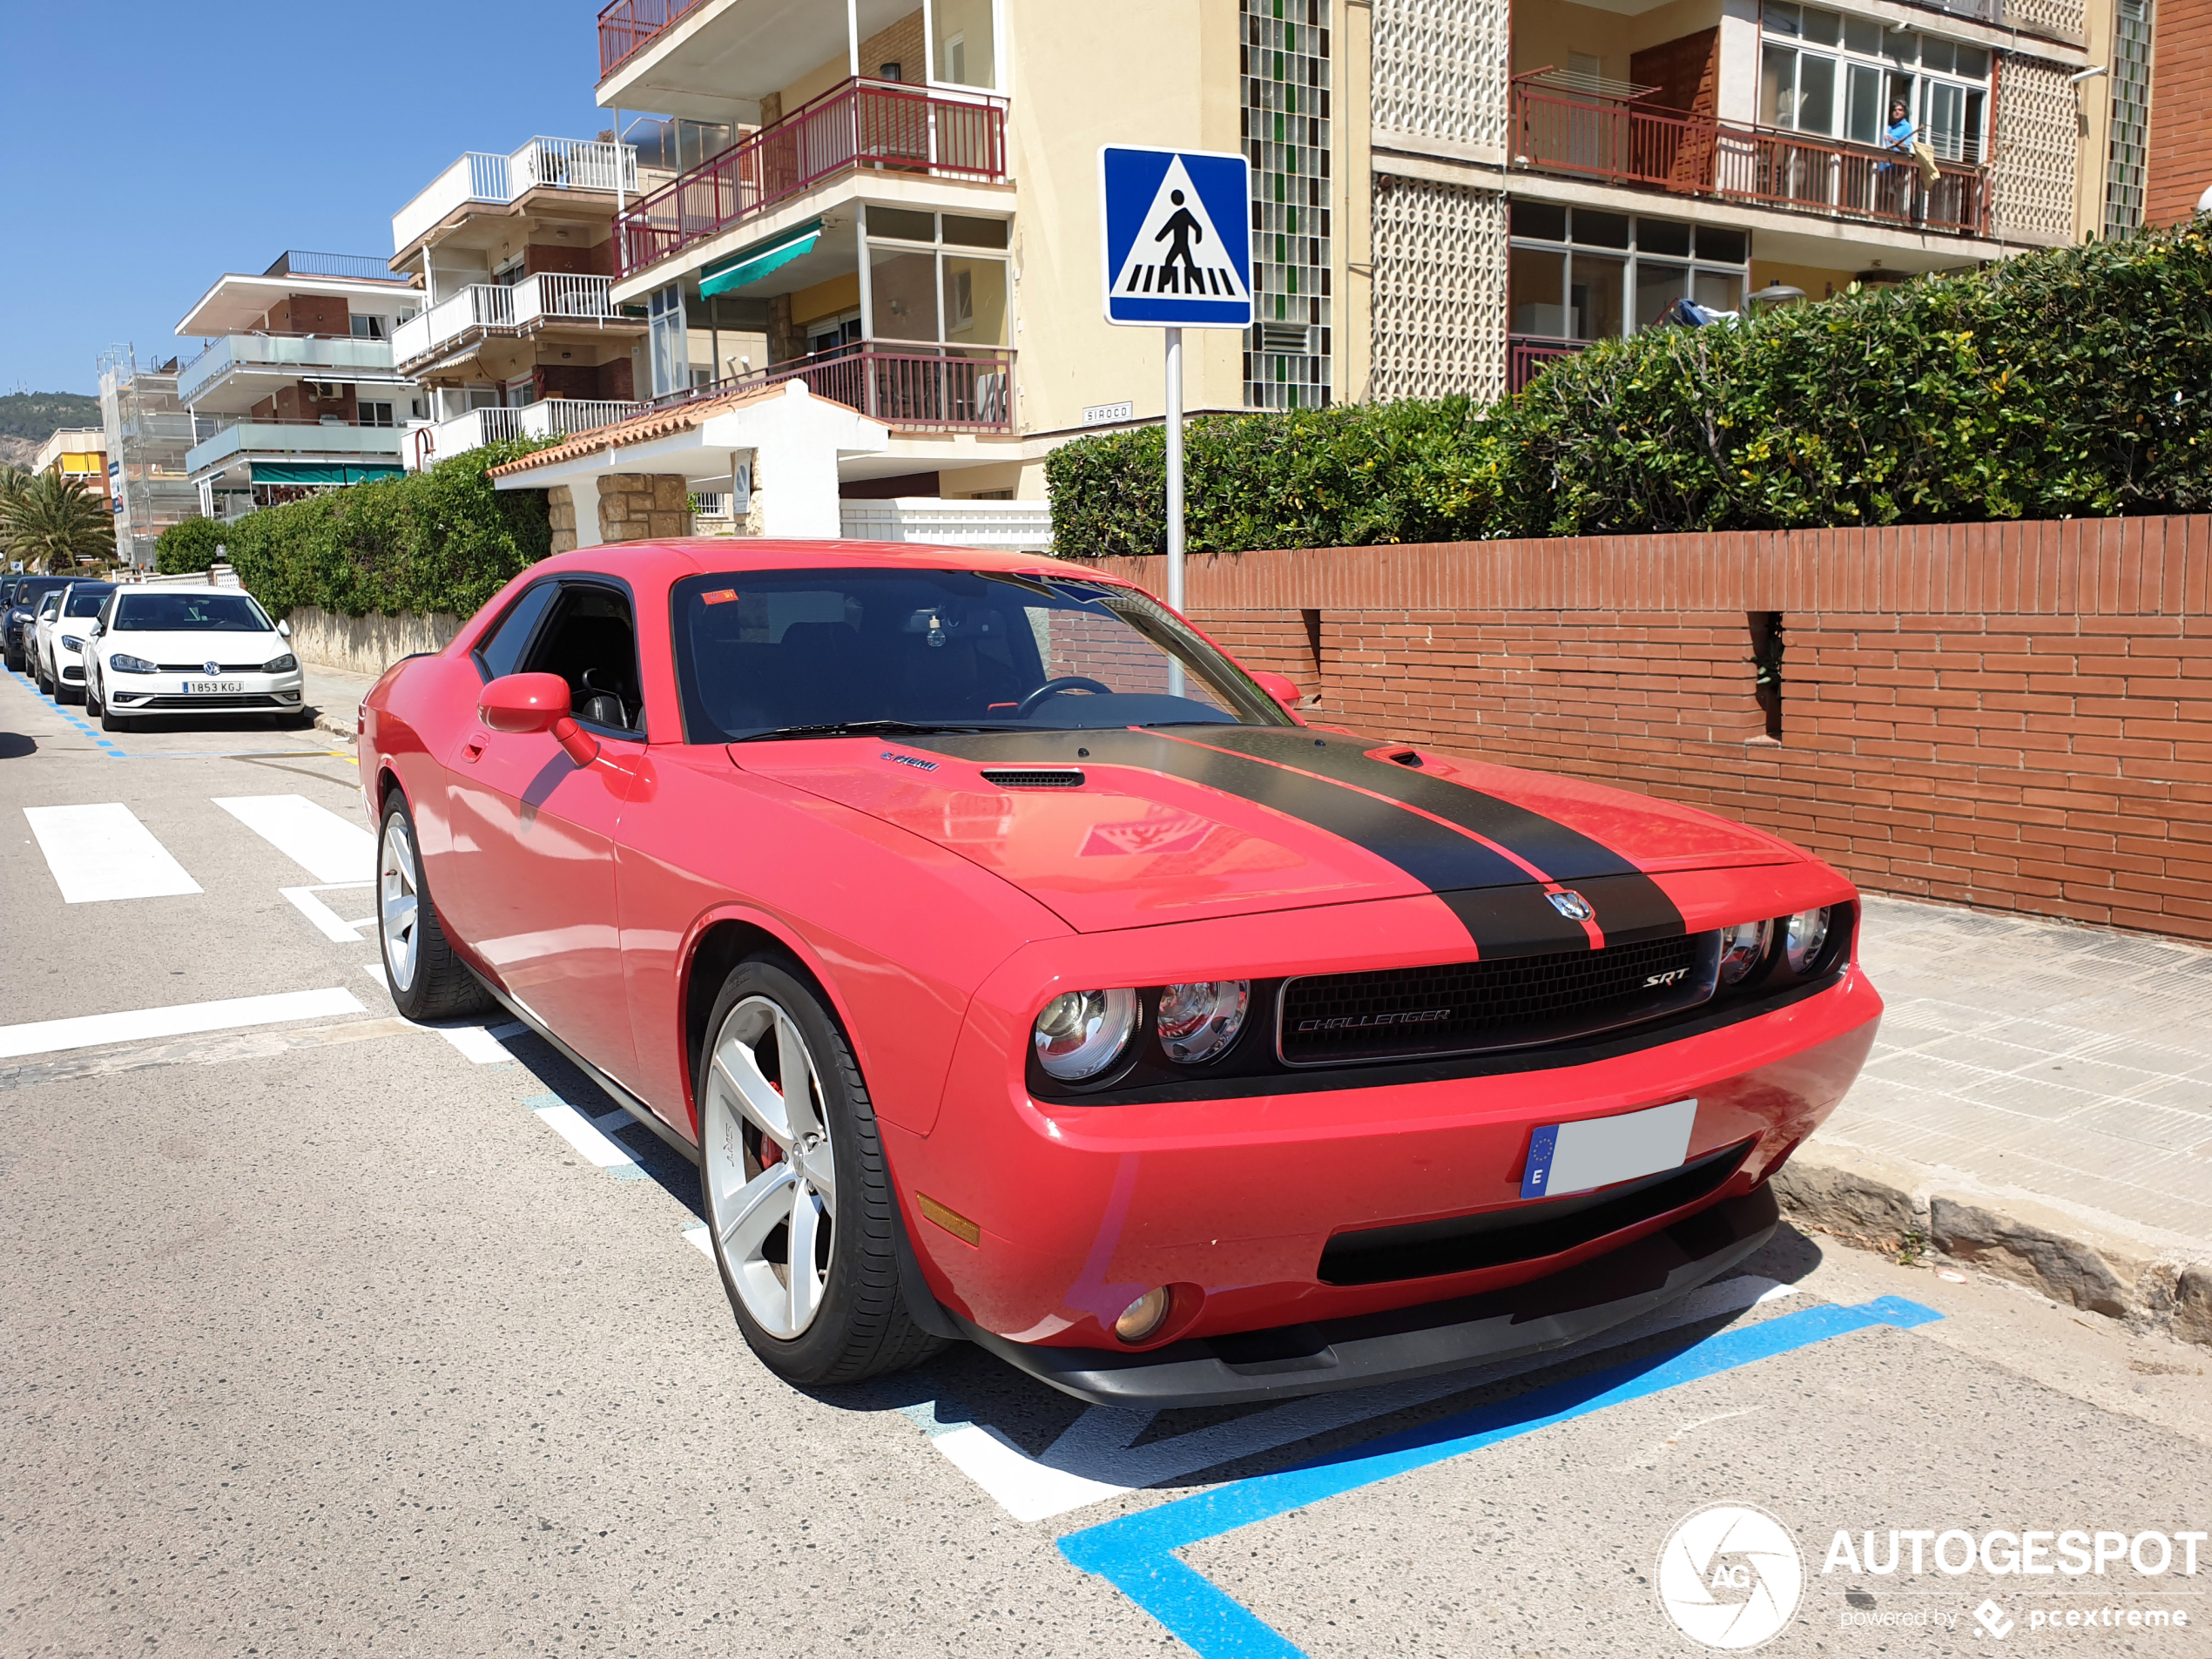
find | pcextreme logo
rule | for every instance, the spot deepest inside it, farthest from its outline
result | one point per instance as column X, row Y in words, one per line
column 1729, row 1576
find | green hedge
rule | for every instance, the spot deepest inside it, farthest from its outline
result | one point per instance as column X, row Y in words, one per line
column 440, row 540
column 2067, row 383
column 187, row 546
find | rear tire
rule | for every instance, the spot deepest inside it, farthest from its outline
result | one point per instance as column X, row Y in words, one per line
column 789, row 1154
column 426, row 979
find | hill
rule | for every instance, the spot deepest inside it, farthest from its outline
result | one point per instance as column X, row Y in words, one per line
column 28, row 419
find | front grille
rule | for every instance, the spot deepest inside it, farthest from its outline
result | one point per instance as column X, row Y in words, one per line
column 1033, row 777
column 200, row 668
column 1514, row 1003
column 214, row 700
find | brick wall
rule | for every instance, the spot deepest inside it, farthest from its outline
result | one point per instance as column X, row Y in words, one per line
column 310, row 313
column 2179, row 161
column 2014, row 716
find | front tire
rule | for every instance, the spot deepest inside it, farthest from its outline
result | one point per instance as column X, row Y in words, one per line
column 799, row 1203
column 426, row 979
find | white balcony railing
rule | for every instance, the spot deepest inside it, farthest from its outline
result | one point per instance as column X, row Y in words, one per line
column 553, row 293
column 559, row 164
column 554, row 417
column 559, row 417
column 481, row 305
column 337, row 356
column 1020, row 526
column 292, row 438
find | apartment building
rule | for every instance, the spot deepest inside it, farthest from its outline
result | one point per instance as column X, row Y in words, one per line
column 2177, row 160
column 78, row 453
column 293, row 389
column 1446, row 194
column 146, row 433
column 511, row 260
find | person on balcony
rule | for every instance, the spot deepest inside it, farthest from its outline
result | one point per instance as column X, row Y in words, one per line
column 1899, row 177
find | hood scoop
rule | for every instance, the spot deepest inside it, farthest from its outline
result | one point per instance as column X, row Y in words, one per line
column 1033, row 776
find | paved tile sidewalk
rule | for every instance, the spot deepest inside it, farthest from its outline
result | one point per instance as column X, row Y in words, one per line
column 334, row 694
column 2070, row 1064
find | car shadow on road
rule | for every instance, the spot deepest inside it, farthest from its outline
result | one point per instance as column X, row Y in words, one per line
column 14, row 745
column 675, row 1174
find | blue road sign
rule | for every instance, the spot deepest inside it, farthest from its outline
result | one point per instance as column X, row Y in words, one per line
column 1177, row 237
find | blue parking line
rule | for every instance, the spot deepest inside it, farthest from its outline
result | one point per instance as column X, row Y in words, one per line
column 114, row 749
column 1135, row 1553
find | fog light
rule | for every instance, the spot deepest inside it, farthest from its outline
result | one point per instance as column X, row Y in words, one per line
column 1143, row 1318
column 1742, row 949
column 1807, row 933
column 1199, row 1022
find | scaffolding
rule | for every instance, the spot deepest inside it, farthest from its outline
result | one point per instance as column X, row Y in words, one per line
column 148, row 433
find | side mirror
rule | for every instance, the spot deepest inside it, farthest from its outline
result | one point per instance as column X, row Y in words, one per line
column 95, row 631
column 1281, row 687
column 284, row 629
column 528, row 703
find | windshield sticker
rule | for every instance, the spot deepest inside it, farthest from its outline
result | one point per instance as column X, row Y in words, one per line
column 720, row 595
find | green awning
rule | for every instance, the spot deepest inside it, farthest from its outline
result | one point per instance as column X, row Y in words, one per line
column 314, row 472
column 743, row 269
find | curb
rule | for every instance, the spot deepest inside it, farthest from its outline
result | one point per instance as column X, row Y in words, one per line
column 2150, row 1280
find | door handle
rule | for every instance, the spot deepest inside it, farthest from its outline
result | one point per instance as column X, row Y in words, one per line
column 475, row 747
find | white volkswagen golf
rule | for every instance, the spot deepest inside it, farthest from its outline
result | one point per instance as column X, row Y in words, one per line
column 182, row 651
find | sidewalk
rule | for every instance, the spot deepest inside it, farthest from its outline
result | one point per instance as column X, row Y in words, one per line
column 334, row 695
column 2039, row 1105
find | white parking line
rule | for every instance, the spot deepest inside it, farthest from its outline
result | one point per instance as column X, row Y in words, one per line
column 475, row 1042
column 575, row 1128
column 326, row 920
column 331, row 849
column 84, row 1030
column 101, row 853
column 1096, row 1457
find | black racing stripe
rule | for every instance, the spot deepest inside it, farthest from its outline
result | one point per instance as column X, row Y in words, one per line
column 1633, row 905
column 1503, row 910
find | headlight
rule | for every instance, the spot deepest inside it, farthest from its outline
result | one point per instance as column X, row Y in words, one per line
column 1742, row 949
column 122, row 665
column 283, row 665
column 1082, row 1033
column 1198, row 1022
column 1807, row 933
column 71, row 644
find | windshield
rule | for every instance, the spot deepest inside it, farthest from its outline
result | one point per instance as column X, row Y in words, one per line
column 28, row 593
column 790, row 652
column 189, row 613
column 85, row 601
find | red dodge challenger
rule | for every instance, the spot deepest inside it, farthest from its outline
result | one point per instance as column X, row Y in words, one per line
column 1019, row 968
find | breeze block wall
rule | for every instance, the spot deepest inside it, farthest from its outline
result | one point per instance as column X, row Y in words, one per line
column 2016, row 716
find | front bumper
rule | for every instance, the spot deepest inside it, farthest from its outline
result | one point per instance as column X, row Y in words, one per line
column 1368, row 1349
column 165, row 694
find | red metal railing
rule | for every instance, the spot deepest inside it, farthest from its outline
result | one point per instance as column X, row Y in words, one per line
column 1530, row 356
column 1629, row 143
column 862, row 123
column 627, row 26
column 918, row 387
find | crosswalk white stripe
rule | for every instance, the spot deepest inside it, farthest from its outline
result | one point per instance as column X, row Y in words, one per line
column 84, row 1030
column 100, row 852
column 311, row 836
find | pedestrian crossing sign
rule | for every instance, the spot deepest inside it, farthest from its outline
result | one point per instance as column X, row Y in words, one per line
column 1175, row 226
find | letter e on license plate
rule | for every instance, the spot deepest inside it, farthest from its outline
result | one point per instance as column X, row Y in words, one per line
column 1596, row 1152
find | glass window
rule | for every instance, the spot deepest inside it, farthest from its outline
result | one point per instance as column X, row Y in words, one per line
column 905, row 225
column 965, row 50
column 667, row 342
column 1601, row 230
column 1863, row 118
column 1937, row 56
column 762, row 654
column 86, row 601
column 1539, row 220
column 1822, row 28
column 1663, row 236
column 1657, row 288
column 503, row 648
column 190, row 613
column 1538, row 292
column 1595, row 295
column 591, row 645
column 1816, row 95
column 1724, row 247
column 1782, row 20
column 975, row 232
column 975, row 300
column 374, row 414
column 1778, row 86
column 1863, row 35
column 902, row 290
column 1972, row 63
column 1719, row 290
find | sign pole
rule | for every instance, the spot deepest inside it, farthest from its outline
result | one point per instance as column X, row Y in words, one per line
column 1175, row 490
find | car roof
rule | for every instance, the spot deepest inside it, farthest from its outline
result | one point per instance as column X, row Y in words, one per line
column 674, row 558
column 184, row 587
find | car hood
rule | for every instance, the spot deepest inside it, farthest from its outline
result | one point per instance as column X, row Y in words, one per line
column 234, row 652
column 1182, row 823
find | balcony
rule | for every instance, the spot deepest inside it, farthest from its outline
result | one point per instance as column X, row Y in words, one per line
column 291, row 356
column 496, row 181
column 553, row 417
column 1530, row 356
column 225, row 443
column 1621, row 142
column 887, row 125
column 626, row 27
column 920, row 388
column 534, row 303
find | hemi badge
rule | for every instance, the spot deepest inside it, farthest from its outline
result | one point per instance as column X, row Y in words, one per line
column 952, row 1221
column 912, row 760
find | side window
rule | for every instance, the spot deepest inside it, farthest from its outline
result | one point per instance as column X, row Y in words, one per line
column 502, row 648
column 591, row 642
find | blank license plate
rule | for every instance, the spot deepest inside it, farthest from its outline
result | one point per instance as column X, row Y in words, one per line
column 208, row 688
column 1596, row 1152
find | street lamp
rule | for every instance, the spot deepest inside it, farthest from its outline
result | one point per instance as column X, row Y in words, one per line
column 1776, row 293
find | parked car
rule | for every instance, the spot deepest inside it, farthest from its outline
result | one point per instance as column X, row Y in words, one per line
column 61, row 638
column 42, row 625
column 191, row 650
column 1019, row 968
column 17, row 621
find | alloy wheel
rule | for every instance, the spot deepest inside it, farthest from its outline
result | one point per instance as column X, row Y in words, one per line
column 399, row 901
column 770, row 1166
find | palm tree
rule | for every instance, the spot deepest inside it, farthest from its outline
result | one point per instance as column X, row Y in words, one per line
column 55, row 522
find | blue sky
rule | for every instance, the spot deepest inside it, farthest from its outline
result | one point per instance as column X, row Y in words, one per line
column 153, row 146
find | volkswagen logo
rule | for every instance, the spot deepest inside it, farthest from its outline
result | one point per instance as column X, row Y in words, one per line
column 217, row 668
column 1572, row 905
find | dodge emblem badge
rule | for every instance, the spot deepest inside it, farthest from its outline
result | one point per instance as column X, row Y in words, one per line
column 1571, row 905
